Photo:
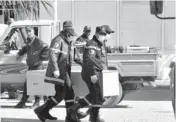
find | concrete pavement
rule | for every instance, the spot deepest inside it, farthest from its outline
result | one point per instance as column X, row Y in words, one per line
column 127, row 111
column 140, row 106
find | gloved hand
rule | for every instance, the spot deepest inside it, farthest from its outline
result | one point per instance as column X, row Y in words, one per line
column 94, row 79
column 17, row 57
column 56, row 74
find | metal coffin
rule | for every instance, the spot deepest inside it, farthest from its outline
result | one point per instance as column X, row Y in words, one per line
column 37, row 86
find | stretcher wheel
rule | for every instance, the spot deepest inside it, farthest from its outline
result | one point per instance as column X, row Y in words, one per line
column 112, row 101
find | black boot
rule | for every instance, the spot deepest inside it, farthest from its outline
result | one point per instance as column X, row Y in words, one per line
column 69, row 118
column 24, row 98
column 21, row 104
column 89, row 111
column 43, row 111
column 73, row 111
column 95, row 115
column 49, row 116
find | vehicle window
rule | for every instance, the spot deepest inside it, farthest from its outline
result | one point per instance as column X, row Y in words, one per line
column 36, row 31
column 13, row 41
column 16, row 39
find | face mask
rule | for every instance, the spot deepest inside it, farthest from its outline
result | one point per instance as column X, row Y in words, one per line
column 108, row 36
column 101, row 38
column 69, row 39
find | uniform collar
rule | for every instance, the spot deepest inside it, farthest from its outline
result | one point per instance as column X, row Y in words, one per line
column 84, row 36
column 62, row 35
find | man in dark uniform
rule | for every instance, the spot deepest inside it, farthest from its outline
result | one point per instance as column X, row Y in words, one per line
column 37, row 51
column 61, row 54
column 104, row 57
column 92, row 75
column 83, row 39
column 85, row 36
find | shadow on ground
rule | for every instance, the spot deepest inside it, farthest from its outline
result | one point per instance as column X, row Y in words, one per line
column 149, row 95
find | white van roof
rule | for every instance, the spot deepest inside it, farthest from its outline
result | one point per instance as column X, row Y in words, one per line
column 32, row 22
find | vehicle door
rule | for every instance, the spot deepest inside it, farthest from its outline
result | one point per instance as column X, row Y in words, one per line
column 12, row 71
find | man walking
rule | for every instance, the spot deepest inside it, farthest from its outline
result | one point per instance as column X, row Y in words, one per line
column 37, row 51
column 61, row 54
column 84, row 38
column 92, row 75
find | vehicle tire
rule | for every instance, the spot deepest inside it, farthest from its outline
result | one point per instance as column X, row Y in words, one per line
column 13, row 95
column 112, row 101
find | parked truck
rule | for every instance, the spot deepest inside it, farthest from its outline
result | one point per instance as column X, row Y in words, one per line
column 127, row 70
column 129, row 67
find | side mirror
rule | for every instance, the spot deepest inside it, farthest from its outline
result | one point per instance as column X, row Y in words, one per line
column 156, row 7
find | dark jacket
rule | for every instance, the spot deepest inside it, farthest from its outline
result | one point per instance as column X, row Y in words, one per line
column 92, row 57
column 61, row 55
column 36, row 52
column 82, row 39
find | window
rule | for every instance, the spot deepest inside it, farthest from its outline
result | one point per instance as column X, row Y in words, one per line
column 13, row 41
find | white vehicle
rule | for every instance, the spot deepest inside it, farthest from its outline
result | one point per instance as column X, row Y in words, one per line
column 126, row 71
column 12, row 72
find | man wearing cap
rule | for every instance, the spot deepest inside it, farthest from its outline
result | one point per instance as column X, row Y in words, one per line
column 67, row 24
column 36, row 51
column 108, row 30
column 61, row 55
column 92, row 75
column 104, row 57
column 83, row 39
column 85, row 36
column 104, row 51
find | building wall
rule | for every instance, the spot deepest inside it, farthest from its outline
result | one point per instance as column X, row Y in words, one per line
column 169, row 27
column 96, row 13
column 131, row 20
column 92, row 13
column 138, row 26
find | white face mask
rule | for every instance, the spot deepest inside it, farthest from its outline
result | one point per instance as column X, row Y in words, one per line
column 108, row 36
column 101, row 38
